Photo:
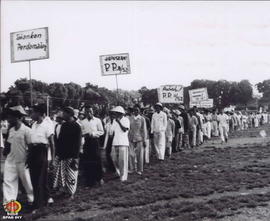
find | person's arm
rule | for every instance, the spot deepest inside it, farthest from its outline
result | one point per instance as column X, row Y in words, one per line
column 123, row 128
column 100, row 130
column 144, row 131
column 165, row 122
column 152, row 124
column 52, row 147
column 78, row 137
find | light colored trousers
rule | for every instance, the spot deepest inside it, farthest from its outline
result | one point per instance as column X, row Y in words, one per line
column 120, row 159
column 169, row 145
column 208, row 129
column 223, row 130
column 136, row 156
column 194, row 135
column 215, row 128
column 159, row 144
column 12, row 173
column 147, row 151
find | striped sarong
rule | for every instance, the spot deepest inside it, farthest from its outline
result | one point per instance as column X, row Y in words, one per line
column 66, row 174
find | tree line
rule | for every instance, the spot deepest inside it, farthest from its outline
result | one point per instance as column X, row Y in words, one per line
column 223, row 92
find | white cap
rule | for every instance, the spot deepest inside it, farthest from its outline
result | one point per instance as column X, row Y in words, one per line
column 118, row 109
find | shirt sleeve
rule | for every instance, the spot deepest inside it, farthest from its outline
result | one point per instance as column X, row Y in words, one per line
column 49, row 130
column 28, row 136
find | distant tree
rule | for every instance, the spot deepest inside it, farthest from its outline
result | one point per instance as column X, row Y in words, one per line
column 264, row 88
column 148, row 96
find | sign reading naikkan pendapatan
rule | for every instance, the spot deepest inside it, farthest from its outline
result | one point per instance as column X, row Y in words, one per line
column 29, row 45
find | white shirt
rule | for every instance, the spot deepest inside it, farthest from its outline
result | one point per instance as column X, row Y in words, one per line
column 222, row 119
column 120, row 137
column 40, row 133
column 18, row 139
column 159, row 122
column 92, row 127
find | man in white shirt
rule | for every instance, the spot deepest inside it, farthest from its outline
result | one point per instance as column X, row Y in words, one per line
column 41, row 138
column 223, row 119
column 120, row 144
column 92, row 129
column 158, row 128
column 15, row 169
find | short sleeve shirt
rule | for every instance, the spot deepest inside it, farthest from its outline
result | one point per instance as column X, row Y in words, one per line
column 40, row 133
column 18, row 139
column 120, row 137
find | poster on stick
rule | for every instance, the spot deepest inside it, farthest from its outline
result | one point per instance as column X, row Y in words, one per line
column 209, row 103
column 171, row 94
column 199, row 94
column 29, row 45
column 115, row 64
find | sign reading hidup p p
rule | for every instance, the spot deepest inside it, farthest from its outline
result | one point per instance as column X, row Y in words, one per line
column 115, row 64
column 171, row 94
column 29, row 45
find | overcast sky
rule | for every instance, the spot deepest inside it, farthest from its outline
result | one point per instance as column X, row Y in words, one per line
column 168, row 42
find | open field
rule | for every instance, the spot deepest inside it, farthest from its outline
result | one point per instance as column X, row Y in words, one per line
column 227, row 182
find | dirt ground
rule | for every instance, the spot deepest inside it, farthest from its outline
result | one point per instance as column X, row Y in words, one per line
column 228, row 182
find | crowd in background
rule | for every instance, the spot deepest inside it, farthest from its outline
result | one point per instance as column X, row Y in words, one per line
column 72, row 142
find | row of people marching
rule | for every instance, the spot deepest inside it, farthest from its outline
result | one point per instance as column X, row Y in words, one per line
column 128, row 139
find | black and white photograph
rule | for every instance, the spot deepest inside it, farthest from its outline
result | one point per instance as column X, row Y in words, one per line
column 135, row 110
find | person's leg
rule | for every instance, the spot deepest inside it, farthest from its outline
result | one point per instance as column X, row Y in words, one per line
column 221, row 132
column 58, row 174
column 10, row 184
column 123, row 162
column 115, row 158
column 26, row 181
column 225, row 132
column 110, row 165
column 161, row 144
column 132, row 157
column 71, row 170
column 147, row 151
column 156, row 144
column 39, row 176
column 140, row 156
column 194, row 135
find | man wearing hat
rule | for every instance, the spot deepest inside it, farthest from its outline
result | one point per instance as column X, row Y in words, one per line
column 92, row 129
column 158, row 128
column 120, row 144
column 41, row 139
column 67, row 153
column 15, row 169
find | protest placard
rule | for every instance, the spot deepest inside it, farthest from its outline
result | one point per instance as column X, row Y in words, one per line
column 171, row 94
column 199, row 94
column 209, row 103
column 115, row 64
column 29, row 45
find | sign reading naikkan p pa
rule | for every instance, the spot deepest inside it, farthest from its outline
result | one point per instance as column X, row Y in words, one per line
column 29, row 45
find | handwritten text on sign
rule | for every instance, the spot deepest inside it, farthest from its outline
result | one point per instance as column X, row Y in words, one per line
column 199, row 94
column 29, row 45
column 115, row 64
column 171, row 94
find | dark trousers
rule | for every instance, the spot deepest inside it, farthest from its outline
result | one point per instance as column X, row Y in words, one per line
column 38, row 166
column 92, row 161
column 110, row 165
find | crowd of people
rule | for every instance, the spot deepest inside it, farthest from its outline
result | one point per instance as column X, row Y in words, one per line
column 71, row 142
